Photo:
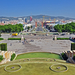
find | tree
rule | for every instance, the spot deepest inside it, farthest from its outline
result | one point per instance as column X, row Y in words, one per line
column 11, row 28
column 31, row 26
column 28, row 27
column 69, row 27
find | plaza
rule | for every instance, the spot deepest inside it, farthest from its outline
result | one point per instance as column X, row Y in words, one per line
column 39, row 44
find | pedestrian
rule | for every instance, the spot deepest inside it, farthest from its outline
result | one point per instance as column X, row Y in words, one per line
column 23, row 42
column 10, row 44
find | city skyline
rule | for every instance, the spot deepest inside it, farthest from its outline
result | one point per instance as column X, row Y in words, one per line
column 17, row 8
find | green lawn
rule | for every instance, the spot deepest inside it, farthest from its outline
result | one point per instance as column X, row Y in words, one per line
column 38, row 69
column 38, row 55
column 0, row 60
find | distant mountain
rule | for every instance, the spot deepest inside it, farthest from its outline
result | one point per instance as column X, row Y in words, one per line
column 52, row 17
column 35, row 17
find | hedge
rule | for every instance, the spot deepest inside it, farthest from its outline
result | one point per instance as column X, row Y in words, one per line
column 72, row 46
column 0, row 46
column 1, row 58
column 0, row 34
column 13, row 56
column 64, row 56
column 3, row 46
column 74, row 57
column 1, row 39
column 63, row 39
column 14, row 38
column 56, row 34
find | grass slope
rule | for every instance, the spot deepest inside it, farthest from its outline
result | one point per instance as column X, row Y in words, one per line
column 38, row 55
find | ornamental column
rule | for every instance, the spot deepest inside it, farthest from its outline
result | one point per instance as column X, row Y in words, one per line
column 35, row 24
column 42, row 24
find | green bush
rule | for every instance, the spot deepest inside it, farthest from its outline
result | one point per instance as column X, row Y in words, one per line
column 1, row 57
column 64, row 56
column 1, row 39
column 13, row 56
column 0, row 34
column 62, row 38
column 53, row 38
column 72, row 46
column 56, row 34
column 74, row 57
column 14, row 38
column 4, row 46
column 0, row 46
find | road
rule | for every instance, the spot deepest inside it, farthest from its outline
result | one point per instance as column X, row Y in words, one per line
column 39, row 28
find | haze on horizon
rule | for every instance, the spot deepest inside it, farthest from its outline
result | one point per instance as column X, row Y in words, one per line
column 17, row 8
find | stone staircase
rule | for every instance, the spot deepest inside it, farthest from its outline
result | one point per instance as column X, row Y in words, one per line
column 4, row 61
column 30, row 47
column 71, row 60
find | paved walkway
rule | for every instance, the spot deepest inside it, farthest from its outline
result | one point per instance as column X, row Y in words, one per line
column 48, row 45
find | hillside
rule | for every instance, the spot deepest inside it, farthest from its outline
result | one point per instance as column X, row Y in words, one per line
column 35, row 17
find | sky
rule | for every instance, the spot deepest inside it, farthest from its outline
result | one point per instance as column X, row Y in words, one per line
column 18, row 8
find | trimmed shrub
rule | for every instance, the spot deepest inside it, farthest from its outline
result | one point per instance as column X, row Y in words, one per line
column 14, row 38
column 72, row 46
column 63, row 39
column 0, row 46
column 74, row 57
column 56, row 34
column 13, row 56
column 0, row 35
column 64, row 56
column 4, row 46
column 1, row 57
column 1, row 39
column 53, row 38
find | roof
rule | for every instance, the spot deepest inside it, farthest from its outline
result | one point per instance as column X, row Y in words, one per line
column 1, row 23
